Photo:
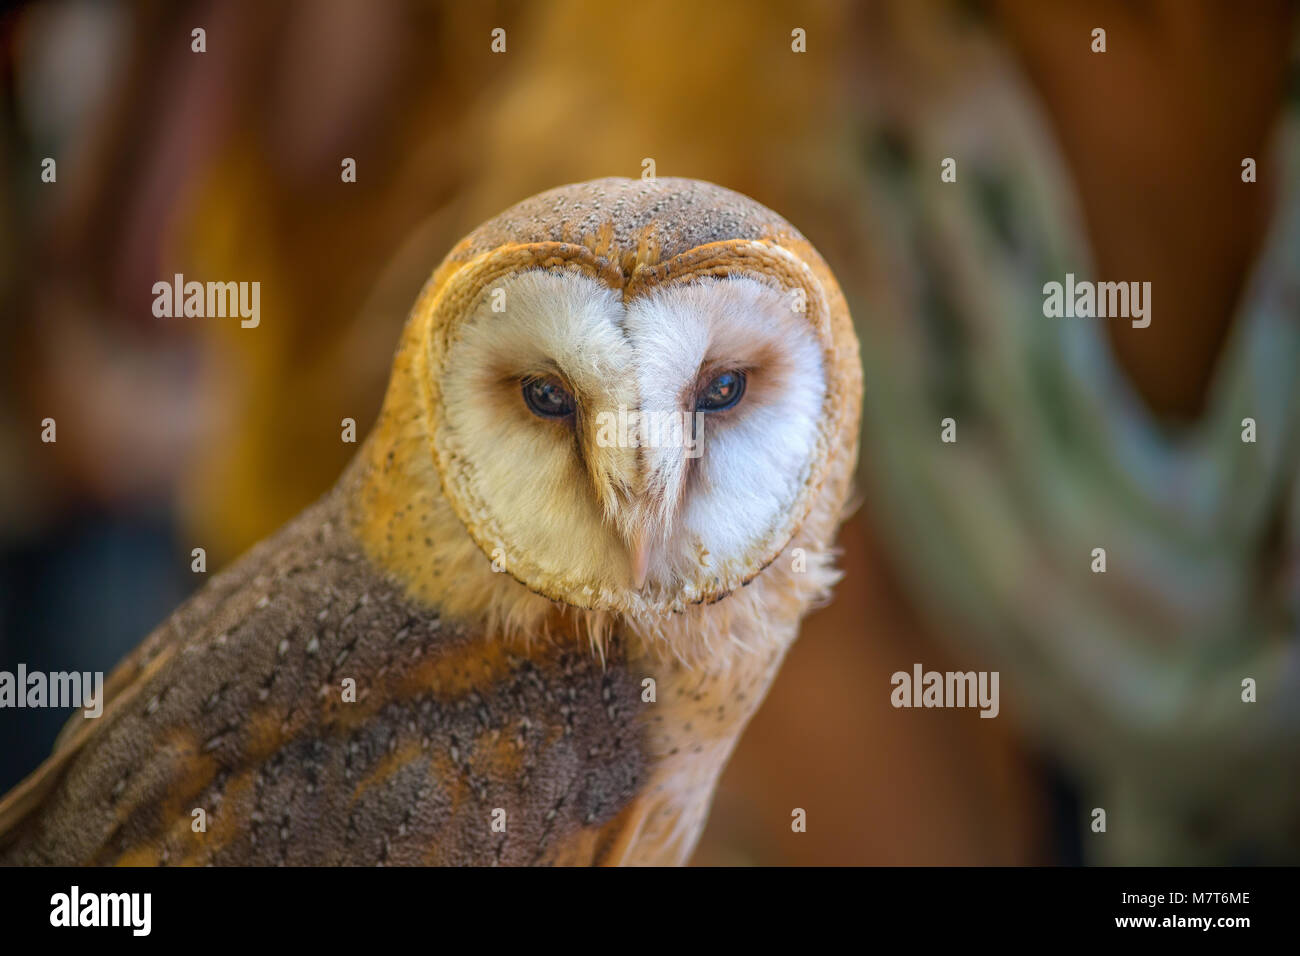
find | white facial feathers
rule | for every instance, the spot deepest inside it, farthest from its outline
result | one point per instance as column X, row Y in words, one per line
column 754, row 458
column 577, row 499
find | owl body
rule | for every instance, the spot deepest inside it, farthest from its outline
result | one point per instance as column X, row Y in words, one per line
column 504, row 638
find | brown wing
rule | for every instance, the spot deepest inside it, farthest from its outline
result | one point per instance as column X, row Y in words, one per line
column 122, row 685
column 234, row 707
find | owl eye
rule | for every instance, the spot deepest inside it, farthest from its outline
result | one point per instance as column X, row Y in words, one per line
column 721, row 393
column 547, row 398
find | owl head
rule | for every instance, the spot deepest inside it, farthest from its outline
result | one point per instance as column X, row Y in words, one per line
column 631, row 395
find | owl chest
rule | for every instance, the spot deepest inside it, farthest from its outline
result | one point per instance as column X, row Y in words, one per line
column 692, row 728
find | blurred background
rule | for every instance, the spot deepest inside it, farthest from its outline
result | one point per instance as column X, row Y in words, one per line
column 1120, row 690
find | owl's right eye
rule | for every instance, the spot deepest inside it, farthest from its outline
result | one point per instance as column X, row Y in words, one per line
column 547, row 397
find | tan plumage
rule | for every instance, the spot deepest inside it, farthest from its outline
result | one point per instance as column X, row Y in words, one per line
column 521, row 687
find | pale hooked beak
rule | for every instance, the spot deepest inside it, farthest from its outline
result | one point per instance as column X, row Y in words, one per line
column 639, row 551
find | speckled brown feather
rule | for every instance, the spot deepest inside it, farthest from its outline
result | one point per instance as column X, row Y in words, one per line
column 630, row 222
column 234, row 706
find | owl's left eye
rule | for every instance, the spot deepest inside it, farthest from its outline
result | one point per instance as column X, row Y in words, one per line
column 721, row 393
column 547, row 397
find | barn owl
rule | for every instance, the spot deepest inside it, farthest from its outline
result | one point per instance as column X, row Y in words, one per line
column 524, row 627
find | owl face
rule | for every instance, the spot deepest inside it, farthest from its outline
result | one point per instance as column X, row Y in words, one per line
column 632, row 397
column 630, row 453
